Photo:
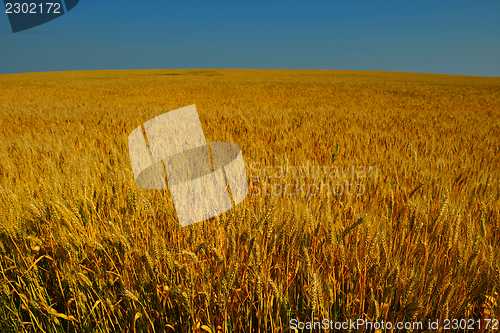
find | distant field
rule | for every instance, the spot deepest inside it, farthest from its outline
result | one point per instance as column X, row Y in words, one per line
column 84, row 249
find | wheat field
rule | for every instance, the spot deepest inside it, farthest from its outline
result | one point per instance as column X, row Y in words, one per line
column 83, row 249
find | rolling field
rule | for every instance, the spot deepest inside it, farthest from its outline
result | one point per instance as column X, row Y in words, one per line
column 413, row 237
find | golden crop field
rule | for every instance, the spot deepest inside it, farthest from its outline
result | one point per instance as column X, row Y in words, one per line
column 84, row 249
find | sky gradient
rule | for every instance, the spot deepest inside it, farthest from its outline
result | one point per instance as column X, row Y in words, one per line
column 447, row 37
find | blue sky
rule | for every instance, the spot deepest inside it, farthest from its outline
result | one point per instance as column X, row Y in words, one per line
column 448, row 37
